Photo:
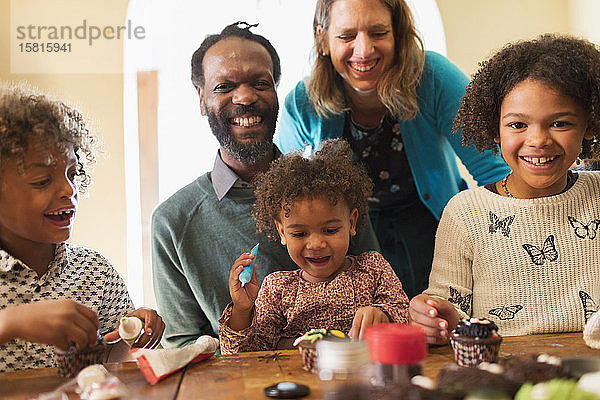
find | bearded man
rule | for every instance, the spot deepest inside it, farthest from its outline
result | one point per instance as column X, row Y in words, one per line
column 200, row 231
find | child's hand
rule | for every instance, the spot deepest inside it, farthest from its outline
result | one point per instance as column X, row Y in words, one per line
column 153, row 329
column 243, row 297
column 57, row 323
column 365, row 317
column 437, row 317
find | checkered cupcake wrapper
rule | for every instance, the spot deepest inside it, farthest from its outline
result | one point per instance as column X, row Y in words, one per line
column 471, row 354
column 73, row 360
column 309, row 359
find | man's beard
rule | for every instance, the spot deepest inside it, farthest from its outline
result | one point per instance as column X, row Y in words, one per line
column 247, row 153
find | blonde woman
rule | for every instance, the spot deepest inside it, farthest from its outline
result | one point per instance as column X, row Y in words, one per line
column 374, row 85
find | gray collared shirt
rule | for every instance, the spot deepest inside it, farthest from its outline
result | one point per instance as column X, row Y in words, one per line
column 224, row 178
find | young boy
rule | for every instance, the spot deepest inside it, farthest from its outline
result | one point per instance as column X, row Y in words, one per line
column 51, row 293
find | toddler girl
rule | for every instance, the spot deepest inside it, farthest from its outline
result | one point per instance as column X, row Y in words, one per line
column 524, row 251
column 51, row 293
column 313, row 204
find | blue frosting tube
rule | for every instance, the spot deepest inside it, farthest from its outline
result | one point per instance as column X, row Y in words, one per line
column 246, row 274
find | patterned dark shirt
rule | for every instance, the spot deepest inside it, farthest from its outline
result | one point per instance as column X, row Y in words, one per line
column 382, row 153
column 76, row 273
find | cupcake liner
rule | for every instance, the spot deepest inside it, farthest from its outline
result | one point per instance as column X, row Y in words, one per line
column 469, row 352
column 309, row 359
column 72, row 361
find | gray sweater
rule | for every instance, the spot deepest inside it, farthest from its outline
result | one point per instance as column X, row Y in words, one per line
column 195, row 240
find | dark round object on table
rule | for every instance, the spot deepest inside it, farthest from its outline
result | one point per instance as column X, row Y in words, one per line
column 287, row 390
column 577, row 366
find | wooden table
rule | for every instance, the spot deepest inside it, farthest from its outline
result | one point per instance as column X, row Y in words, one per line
column 245, row 375
column 28, row 384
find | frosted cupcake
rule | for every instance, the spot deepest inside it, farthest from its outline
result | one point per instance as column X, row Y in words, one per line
column 307, row 344
column 474, row 341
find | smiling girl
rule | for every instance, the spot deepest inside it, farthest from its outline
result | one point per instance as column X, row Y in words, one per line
column 313, row 205
column 523, row 251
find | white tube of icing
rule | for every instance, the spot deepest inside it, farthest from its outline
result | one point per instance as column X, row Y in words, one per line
column 130, row 328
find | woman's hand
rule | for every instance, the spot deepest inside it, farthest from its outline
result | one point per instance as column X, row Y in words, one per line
column 243, row 297
column 153, row 329
column 57, row 323
column 437, row 317
column 365, row 317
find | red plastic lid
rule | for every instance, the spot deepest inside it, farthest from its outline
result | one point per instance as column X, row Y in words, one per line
column 396, row 343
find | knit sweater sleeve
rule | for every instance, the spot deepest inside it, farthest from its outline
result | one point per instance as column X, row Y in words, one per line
column 267, row 323
column 451, row 275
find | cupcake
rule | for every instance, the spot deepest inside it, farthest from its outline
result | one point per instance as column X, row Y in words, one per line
column 307, row 344
column 72, row 361
column 475, row 340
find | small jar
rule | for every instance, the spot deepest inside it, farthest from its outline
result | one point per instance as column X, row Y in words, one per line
column 396, row 352
column 341, row 366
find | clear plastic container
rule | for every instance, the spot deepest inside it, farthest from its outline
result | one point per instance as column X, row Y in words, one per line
column 396, row 352
column 341, row 366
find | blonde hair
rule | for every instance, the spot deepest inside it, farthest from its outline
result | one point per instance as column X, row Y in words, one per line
column 397, row 88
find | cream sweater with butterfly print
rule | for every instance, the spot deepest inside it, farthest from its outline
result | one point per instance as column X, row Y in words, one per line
column 530, row 265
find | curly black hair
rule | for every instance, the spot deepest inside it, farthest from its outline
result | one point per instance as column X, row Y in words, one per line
column 27, row 116
column 237, row 29
column 567, row 64
column 330, row 173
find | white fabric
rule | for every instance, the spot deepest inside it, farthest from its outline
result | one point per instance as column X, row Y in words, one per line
column 157, row 364
column 591, row 332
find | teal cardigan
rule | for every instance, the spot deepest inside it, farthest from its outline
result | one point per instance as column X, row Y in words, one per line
column 431, row 148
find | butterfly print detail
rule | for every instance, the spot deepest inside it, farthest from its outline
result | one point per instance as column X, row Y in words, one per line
column 584, row 230
column 547, row 252
column 463, row 301
column 506, row 312
column 589, row 305
column 502, row 225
